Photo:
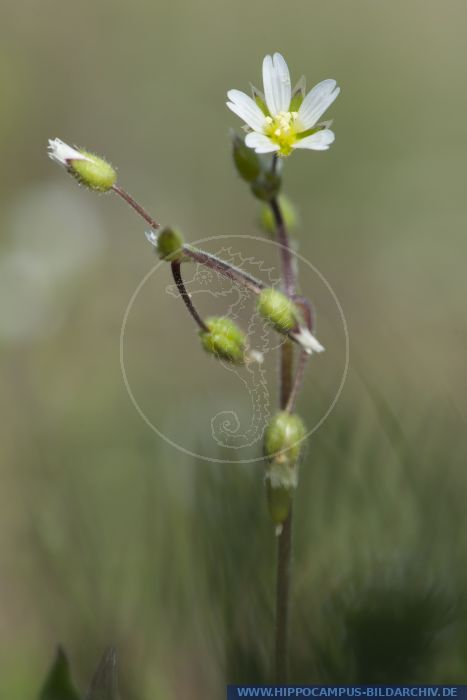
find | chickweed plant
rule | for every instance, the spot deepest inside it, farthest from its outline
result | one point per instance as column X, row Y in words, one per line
column 277, row 121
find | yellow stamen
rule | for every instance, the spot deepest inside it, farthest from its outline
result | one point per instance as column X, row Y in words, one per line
column 283, row 130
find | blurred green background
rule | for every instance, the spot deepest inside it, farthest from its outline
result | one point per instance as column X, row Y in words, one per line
column 109, row 534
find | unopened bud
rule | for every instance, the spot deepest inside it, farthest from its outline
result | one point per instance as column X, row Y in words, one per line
column 282, row 447
column 87, row 168
column 246, row 161
column 225, row 340
column 170, row 245
column 283, row 442
column 278, row 309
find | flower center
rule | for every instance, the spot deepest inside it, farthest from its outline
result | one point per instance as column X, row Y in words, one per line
column 282, row 130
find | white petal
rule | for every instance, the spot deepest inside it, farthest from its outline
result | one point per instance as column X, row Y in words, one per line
column 317, row 142
column 277, row 87
column 254, row 356
column 307, row 340
column 62, row 153
column 261, row 143
column 316, row 103
column 246, row 109
column 280, row 475
column 151, row 237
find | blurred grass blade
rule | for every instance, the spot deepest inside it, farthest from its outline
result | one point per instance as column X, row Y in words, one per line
column 104, row 683
column 58, row 684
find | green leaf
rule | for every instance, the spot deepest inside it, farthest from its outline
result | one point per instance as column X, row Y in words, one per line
column 104, row 683
column 58, row 684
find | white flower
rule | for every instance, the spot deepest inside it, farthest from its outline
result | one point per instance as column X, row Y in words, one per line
column 284, row 120
column 62, row 153
column 307, row 340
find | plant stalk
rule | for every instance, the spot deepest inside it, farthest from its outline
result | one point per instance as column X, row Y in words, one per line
column 284, row 539
column 177, row 275
column 225, row 269
column 283, row 583
column 137, row 207
column 288, row 271
column 284, row 542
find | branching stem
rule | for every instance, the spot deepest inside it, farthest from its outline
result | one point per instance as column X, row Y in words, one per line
column 225, row 269
column 207, row 259
column 289, row 386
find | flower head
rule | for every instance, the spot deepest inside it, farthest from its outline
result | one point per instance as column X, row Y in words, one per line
column 87, row 168
column 282, row 120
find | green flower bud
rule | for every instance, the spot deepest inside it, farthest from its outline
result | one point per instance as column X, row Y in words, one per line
column 267, row 221
column 279, row 502
column 266, row 186
column 278, row 309
column 87, row 168
column 246, row 161
column 282, row 447
column 170, row 244
column 283, row 441
column 224, row 339
column 93, row 172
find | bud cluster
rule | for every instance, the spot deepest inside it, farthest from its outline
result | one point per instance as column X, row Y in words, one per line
column 219, row 335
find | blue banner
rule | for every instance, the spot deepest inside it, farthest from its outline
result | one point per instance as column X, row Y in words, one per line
column 234, row 692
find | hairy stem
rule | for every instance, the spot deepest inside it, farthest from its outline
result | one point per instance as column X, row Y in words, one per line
column 225, row 269
column 297, row 382
column 286, row 371
column 211, row 261
column 137, row 207
column 288, row 271
column 284, row 540
column 304, row 356
column 283, row 582
column 177, row 275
